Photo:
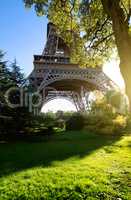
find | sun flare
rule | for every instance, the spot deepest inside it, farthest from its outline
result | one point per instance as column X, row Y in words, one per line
column 113, row 71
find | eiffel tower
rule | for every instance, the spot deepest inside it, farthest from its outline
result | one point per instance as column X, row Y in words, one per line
column 54, row 74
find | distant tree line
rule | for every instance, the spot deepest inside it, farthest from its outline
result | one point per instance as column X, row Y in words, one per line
column 12, row 119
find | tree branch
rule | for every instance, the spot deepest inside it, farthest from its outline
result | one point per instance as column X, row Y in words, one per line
column 101, row 41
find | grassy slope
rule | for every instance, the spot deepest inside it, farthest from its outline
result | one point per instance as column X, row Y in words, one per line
column 75, row 165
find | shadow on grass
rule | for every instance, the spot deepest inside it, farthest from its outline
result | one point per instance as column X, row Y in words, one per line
column 22, row 155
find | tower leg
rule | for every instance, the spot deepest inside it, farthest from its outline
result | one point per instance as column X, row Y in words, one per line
column 78, row 101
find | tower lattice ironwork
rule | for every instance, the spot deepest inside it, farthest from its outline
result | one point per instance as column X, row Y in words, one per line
column 54, row 74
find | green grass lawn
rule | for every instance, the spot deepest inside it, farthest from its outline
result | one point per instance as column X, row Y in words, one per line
column 72, row 165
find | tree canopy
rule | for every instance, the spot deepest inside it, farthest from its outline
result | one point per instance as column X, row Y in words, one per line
column 82, row 25
column 92, row 28
column 85, row 26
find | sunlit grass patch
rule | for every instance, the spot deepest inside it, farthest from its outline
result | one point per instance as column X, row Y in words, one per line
column 74, row 165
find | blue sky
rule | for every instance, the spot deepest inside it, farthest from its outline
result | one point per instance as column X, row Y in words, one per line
column 22, row 33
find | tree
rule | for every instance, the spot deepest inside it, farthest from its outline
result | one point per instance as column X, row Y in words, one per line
column 12, row 120
column 16, row 74
column 5, row 84
column 95, row 27
column 5, row 81
column 121, row 27
column 5, row 76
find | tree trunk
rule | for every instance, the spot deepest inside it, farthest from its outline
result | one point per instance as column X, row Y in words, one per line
column 123, row 40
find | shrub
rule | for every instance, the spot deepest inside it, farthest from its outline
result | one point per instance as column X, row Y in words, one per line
column 105, row 124
column 14, row 123
column 60, row 123
column 75, row 122
column 128, row 127
column 120, row 123
column 103, row 120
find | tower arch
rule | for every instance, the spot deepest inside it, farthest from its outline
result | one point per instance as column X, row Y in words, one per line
column 57, row 76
